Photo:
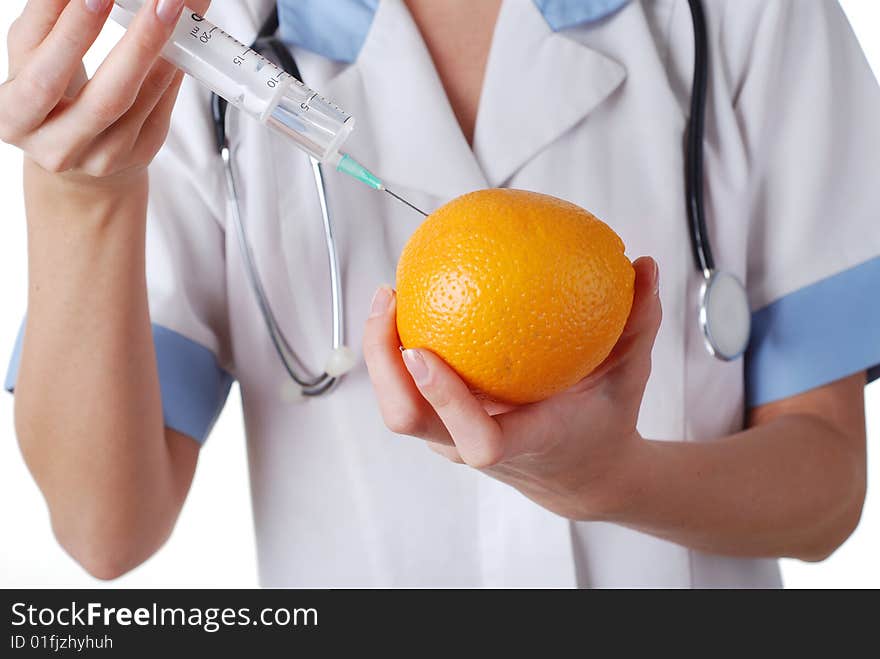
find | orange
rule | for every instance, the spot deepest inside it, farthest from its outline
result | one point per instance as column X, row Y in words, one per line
column 521, row 293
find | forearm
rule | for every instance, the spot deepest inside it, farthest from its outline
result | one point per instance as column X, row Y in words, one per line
column 88, row 409
column 789, row 487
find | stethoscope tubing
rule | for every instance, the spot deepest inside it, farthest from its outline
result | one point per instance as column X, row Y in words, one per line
column 694, row 179
column 311, row 385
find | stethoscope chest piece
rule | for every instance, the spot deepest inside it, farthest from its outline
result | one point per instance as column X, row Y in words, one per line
column 725, row 317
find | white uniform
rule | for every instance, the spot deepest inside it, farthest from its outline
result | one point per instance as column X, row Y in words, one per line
column 594, row 114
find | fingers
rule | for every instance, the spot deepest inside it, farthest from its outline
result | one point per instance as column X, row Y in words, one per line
column 130, row 80
column 77, row 82
column 28, row 31
column 118, row 144
column 437, row 407
column 118, row 120
column 116, row 85
column 403, row 408
column 155, row 127
column 152, row 92
column 137, row 137
column 198, row 6
column 40, row 82
column 449, row 452
column 476, row 434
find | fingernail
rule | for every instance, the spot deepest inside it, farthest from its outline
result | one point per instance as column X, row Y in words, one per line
column 96, row 6
column 168, row 11
column 416, row 365
column 656, row 277
column 381, row 302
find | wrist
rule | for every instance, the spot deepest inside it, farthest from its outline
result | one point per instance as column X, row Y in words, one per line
column 620, row 484
column 83, row 202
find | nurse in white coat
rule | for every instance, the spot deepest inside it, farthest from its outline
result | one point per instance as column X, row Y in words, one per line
column 668, row 468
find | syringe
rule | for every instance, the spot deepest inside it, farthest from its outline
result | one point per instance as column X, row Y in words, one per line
column 260, row 89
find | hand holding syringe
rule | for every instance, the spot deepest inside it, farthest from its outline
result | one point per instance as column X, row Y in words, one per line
column 260, row 89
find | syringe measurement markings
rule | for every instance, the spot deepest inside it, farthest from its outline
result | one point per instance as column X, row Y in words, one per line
column 262, row 61
column 305, row 104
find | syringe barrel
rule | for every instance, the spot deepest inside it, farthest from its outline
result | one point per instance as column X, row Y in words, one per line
column 251, row 83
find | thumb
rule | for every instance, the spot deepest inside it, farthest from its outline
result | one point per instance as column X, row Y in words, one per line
column 631, row 355
column 646, row 313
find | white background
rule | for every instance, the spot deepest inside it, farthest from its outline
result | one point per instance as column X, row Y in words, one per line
column 213, row 544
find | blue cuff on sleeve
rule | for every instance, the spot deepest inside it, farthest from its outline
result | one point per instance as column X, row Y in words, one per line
column 816, row 335
column 194, row 387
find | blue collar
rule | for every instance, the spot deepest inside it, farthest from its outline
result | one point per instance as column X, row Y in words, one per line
column 338, row 29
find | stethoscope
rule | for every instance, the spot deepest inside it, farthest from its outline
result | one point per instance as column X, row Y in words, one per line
column 724, row 313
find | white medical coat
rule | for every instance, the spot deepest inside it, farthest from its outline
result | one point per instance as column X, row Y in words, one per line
column 595, row 115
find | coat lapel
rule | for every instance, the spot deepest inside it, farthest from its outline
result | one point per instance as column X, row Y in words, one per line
column 406, row 129
column 538, row 85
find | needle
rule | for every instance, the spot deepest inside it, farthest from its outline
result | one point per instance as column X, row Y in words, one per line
column 402, row 200
column 350, row 166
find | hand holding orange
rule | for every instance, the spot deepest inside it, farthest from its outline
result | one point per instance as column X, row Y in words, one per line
column 522, row 294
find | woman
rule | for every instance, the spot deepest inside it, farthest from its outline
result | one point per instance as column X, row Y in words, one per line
column 666, row 468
